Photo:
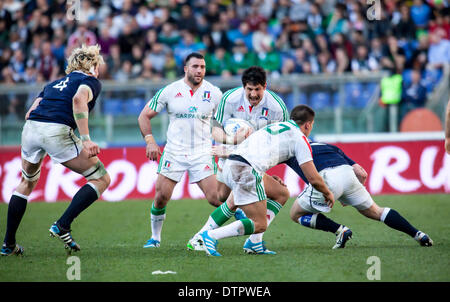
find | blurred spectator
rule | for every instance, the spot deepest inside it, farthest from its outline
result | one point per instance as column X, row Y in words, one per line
column 326, row 63
column 243, row 33
column 114, row 61
column 420, row 13
column 144, row 17
column 419, row 57
column 315, row 19
column 219, row 36
column 212, row 12
column 81, row 36
column 241, row 58
column 299, row 10
column 17, row 65
column 255, row 18
column 185, row 47
column 362, row 63
column 261, row 39
column 441, row 22
column 269, row 59
column 125, row 73
column 148, row 72
column 338, row 24
column 105, row 40
column 169, row 35
column 187, row 20
column 439, row 51
column 157, row 57
column 218, row 63
column 414, row 94
column 342, row 61
column 405, row 28
column 47, row 64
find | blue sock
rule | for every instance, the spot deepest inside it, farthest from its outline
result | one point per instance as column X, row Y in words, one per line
column 16, row 209
column 394, row 220
column 82, row 200
column 319, row 222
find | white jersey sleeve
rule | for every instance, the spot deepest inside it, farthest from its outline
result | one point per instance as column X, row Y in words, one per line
column 159, row 101
column 226, row 106
column 280, row 112
column 302, row 150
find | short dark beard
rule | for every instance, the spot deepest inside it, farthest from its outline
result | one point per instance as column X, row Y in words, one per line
column 191, row 79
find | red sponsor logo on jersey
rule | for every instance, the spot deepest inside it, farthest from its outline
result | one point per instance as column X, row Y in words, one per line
column 207, row 168
column 179, row 95
column 241, row 109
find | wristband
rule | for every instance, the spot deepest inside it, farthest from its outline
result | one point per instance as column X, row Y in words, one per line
column 85, row 137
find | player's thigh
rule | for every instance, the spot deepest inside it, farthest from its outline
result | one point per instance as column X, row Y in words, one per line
column 81, row 163
column 223, row 191
column 275, row 190
column 298, row 211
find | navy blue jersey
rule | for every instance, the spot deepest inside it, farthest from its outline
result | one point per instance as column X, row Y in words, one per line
column 56, row 103
column 324, row 156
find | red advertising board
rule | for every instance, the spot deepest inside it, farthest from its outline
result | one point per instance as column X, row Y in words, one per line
column 393, row 167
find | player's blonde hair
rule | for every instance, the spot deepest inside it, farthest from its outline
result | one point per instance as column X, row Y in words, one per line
column 84, row 59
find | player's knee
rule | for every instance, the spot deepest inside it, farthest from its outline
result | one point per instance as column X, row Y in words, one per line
column 106, row 180
column 283, row 196
column 29, row 180
column 213, row 199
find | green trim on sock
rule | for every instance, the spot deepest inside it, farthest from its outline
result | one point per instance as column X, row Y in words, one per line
column 249, row 226
column 273, row 206
column 221, row 214
column 156, row 211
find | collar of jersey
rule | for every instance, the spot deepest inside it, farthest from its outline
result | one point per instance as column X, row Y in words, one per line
column 293, row 123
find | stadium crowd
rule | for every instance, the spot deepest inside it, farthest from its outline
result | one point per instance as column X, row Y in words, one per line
column 147, row 40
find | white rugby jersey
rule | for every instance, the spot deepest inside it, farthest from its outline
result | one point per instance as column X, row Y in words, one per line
column 234, row 104
column 275, row 144
column 190, row 114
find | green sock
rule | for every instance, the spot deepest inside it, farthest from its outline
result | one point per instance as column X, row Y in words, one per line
column 222, row 214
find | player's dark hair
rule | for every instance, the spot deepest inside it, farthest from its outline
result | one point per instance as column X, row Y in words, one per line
column 254, row 75
column 302, row 114
column 193, row 55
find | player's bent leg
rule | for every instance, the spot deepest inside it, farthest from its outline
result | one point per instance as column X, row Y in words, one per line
column 315, row 220
column 164, row 188
column 98, row 180
column 394, row 220
column 209, row 187
column 17, row 206
column 223, row 191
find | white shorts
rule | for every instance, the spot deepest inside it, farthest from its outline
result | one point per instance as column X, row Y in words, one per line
column 346, row 188
column 197, row 166
column 56, row 140
column 247, row 184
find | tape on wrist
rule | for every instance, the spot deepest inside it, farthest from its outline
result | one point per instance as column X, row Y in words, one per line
column 85, row 138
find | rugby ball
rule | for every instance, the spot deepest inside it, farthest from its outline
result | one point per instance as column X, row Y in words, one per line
column 232, row 125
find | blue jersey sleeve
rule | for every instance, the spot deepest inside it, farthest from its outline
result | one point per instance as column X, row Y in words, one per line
column 95, row 86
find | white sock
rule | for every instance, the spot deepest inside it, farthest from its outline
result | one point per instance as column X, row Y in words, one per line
column 233, row 229
column 157, row 223
column 209, row 225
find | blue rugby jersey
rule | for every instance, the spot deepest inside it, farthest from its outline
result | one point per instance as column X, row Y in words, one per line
column 324, row 156
column 56, row 104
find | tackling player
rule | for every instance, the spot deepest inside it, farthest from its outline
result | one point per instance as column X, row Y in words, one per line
column 345, row 178
column 252, row 102
column 243, row 171
column 190, row 103
column 61, row 107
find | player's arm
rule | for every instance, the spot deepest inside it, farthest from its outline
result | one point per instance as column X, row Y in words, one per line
column 219, row 135
column 144, row 120
column 81, row 115
column 447, row 129
column 33, row 106
column 314, row 178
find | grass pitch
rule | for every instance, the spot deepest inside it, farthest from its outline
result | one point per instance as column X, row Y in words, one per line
column 111, row 236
